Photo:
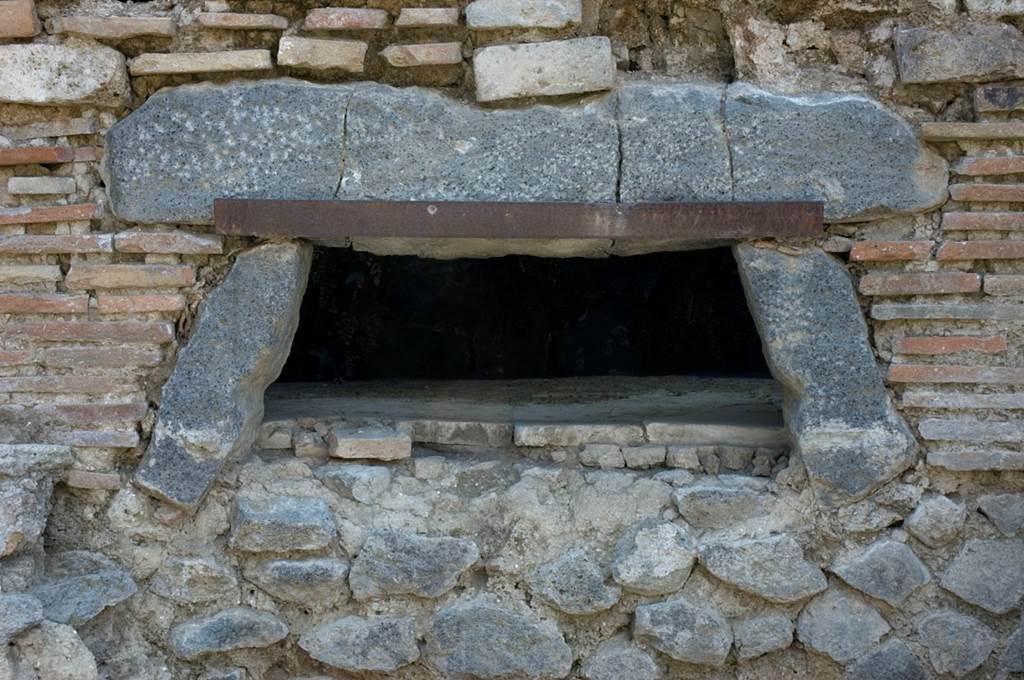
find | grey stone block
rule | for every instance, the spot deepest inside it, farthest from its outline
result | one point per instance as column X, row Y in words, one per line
column 18, row 612
column 77, row 599
column 711, row 505
column 20, row 460
column 190, row 580
column 355, row 643
column 936, row 520
column 840, row 626
column 773, row 568
column 974, row 52
column 24, row 507
column 1012, row 658
column 684, row 631
column 363, row 483
column 1005, row 510
column 886, row 570
column 76, row 73
column 574, row 584
column 395, row 563
column 280, row 524
column 956, row 643
column 225, row 631
column 654, row 557
column 891, row 661
column 378, row 443
column 316, row 582
column 212, row 404
column 987, row 573
column 497, row 14
column 543, row 69
column 617, row 659
column 762, row 634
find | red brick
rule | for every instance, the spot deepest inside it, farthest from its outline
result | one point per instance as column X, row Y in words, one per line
column 28, row 244
column 242, row 22
column 127, row 304
column 49, row 213
column 24, row 274
column 983, row 221
column 950, row 344
column 15, row 357
column 981, row 250
column 950, row 132
column 92, row 276
column 43, row 303
column 925, row 373
column 67, row 384
column 91, row 331
column 178, row 241
column 112, row 28
column 887, row 251
column 102, row 357
column 31, row 155
column 997, row 165
column 920, row 283
column 84, row 479
column 112, row 439
column 1004, row 284
column 983, row 192
column 18, row 19
column 345, row 18
column 85, row 154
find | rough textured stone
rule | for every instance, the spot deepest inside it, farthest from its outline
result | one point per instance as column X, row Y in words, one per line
column 18, row 19
column 840, row 626
column 194, row 579
column 886, row 570
column 24, row 506
column 316, row 54
column 63, row 74
column 314, row 582
column 891, row 661
column 1012, row 658
column 200, row 62
column 227, row 630
column 80, row 585
column 776, row 143
column 987, row 573
column 936, row 521
column 773, row 568
column 543, row 69
column 762, row 634
column 423, row 54
column 55, row 652
column 1005, row 510
column 281, row 524
column 354, row 643
column 18, row 613
column 956, row 644
column 212, row 405
column 494, row 14
column 617, row 659
column 21, row 460
column 713, row 505
column 573, row 583
column 394, row 563
column 845, row 428
column 364, row 483
column 482, row 640
column 604, row 456
column 654, row 557
column 379, row 443
column 974, row 52
column 995, row 8
column 684, row 631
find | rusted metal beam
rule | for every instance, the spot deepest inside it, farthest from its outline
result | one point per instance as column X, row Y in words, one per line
column 499, row 220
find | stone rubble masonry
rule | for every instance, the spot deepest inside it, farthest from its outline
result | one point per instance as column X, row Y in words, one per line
column 152, row 64
column 112, row 28
column 424, row 17
column 319, row 54
column 975, row 52
column 63, row 74
column 345, row 19
column 543, row 69
column 18, row 19
column 484, row 15
column 423, row 54
column 242, row 22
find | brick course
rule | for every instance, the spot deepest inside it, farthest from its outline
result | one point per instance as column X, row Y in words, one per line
column 983, row 221
column 90, row 276
column 930, row 283
column 928, row 373
column 889, row 251
column 90, row 331
column 981, row 250
column 950, row 344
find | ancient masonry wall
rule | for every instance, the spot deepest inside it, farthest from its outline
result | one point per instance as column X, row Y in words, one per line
column 569, row 561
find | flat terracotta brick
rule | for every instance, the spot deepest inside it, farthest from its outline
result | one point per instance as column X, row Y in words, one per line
column 67, row 127
column 102, row 357
column 85, row 154
column 983, row 221
column 920, row 283
column 93, row 276
column 18, row 19
column 90, row 331
column 889, row 251
column 319, row 54
column 177, row 241
column 127, row 304
column 25, row 274
column 972, row 311
column 88, row 414
column 1004, row 284
column 107, row 439
column 982, row 192
column 950, row 132
column 15, row 357
column 233, row 21
column 33, row 155
column 422, row 17
column 345, row 19
column 85, row 479
column 950, row 344
column 43, row 303
column 67, row 384
column 80, row 212
column 1000, row 165
column 151, row 64
column 29, row 244
column 423, row 54
column 981, row 250
column 926, row 373
column 113, row 28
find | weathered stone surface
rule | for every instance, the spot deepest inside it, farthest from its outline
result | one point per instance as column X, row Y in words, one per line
column 363, row 483
column 395, row 563
column 40, row 185
column 314, row 582
column 892, row 661
column 616, row 659
column 494, row 14
column 713, row 505
column 18, row 19
column 844, row 425
column 355, row 643
column 995, row 8
column 776, row 143
column 1005, row 510
column 987, row 573
column 153, row 64
column 63, row 74
column 936, row 520
column 438, row 431
column 762, row 634
column 212, row 405
column 482, row 640
column 886, row 569
column 654, row 557
column 194, row 579
column 24, row 506
column 773, row 568
column 573, row 583
column 840, row 626
column 227, row 630
column 423, row 54
column 543, row 69
column 604, row 456
column 281, row 524
column 18, row 613
column 1012, row 658
column 684, row 631
column 956, row 644
column 20, row 460
column 80, row 585
column 575, row 434
column 974, row 52
column 317, row 54
column 379, row 443
column 55, row 652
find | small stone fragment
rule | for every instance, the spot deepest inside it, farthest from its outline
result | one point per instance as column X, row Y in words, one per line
column 710, row 505
column 544, row 69
column 225, row 631
column 762, row 634
column 890, row 661
column 355, row 643
column 605, row 456
column 17, row 613
column 319, row 54
column 886, row 569
column 55, row 652
column 574, row 584
column 988, row 573
column 496, row 14
column 956, row 644
column 840, row 626
column 643, row 457
column 309, row 444
column 423, row 17
column 395, row 563
column 773, row 568
column 379, row 443
column 654, row 557
column 423, row 54
column 314, row 582
column 364, row 483
column 193, row 579
column 61, row 74
column 684, row 631
column 936, row 521
column 281, row 524
column 617, row 659
column 1005, row 510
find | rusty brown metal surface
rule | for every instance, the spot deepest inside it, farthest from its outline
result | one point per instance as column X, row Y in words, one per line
column 498, row 220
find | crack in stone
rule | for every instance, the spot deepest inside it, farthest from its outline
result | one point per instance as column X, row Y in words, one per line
column 728, row 143
column 344, row 146
column 618, row 130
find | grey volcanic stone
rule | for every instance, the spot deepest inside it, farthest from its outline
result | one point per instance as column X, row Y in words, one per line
column 364, row 483
column 654, row 557
column 482, row 640
column 845, row 428
column 890, row 661
column 886, row 569
column 227, row 630
column 840, row 626
column 80, row 73
column 674, row 145
column 18, row 613
column 617, row 659
column 1012, row 658
column 281, row 524
column 956, row 644
column 20, row 460
column 573, row 583
column 194, row 579
column 212, row 404
column 936, row 521
column 314, row 582
column 1005, row 510
column 759, row 635
column 355, row 643
column 24, row 507
column 974, row 52
column 988, row 573
column 395, row 563
column 773, row 568
column 684, row 631
column 711, row 505
column 76, row 598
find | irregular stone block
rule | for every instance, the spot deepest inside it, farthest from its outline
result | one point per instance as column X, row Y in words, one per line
column 225, row 631
column 987, row 573
column 313, row 53
column 710, row 505
column 886, row 570
column 684, row 631
column 18, row 19
column 1012, row 658
column 654, row 557
column 315, row 582
column 974, row 52
column 21, row 460
column 845, row 428
column 355, row 643
column 423, row 54
column 759, row 635
column 55, row 652
column 543, row 69
column 936, row 521
column 604, row 456
column 194, row 579
column 840, row 626
column 617, row 659
column 79, row 598
column 379, row 443
column 776, row 143
column 63, row 74
column 394, row 563
column 956, row 644
column 495, row 14
column 212, row 405
column 483, row 640
column 281, row 524
column 573, row 584
column 363, row 483
column 24, row 506
column 1005, row 510
column 773, row 568
column 470, row 433
column 643, row 457
column 18, row 613
column 575, row 434
column 892, row 661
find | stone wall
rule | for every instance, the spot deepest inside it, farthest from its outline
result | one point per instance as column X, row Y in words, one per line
column 478, row 562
